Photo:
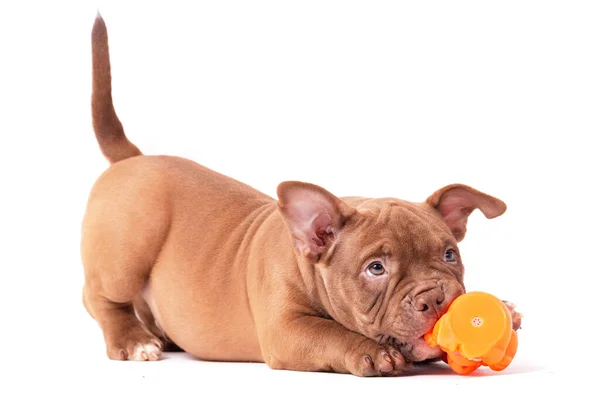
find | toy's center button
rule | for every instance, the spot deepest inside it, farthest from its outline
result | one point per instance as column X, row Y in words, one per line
column 477, row 322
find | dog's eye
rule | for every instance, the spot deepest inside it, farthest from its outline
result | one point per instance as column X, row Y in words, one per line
column 376, row 269
column 450, row 256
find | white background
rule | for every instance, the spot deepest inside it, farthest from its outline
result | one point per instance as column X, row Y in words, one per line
column 367, row 98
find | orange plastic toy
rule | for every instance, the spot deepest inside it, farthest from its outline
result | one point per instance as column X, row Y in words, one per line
column 476, row 330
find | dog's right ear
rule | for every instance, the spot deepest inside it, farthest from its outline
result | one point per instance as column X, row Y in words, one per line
column 313, row 215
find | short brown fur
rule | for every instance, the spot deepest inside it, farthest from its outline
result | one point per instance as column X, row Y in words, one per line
column 175, row 253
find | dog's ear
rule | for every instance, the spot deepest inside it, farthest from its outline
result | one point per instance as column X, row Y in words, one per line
column 456, row 202
column 313, row 215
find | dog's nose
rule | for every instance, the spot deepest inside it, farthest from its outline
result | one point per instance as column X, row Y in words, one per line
column 432, row 301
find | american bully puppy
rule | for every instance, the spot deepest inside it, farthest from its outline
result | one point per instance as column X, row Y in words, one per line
column 177, row 254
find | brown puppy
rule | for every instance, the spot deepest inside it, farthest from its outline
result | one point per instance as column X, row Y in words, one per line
column 176, row 253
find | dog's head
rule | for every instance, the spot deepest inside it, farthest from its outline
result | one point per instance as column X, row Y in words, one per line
column 385, row 268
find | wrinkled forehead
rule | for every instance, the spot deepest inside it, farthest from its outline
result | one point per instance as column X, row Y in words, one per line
column 398, row 226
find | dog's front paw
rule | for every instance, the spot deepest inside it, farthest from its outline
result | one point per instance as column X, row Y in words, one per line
column 516, row 316
column 372, row 359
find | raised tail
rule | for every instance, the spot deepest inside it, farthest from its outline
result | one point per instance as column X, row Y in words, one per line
column 108, row 128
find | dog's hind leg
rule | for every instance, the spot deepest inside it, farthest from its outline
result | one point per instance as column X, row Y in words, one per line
column 126, row 337
column 120, row 244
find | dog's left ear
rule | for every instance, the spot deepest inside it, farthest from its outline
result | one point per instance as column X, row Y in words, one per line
column 313, row 215
column 456, row 202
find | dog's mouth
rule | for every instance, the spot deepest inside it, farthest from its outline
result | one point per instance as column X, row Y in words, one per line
column 414, row 350
column 413, row 346
column 418, row 350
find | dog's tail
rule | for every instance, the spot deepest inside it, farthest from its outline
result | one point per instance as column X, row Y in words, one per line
column 108, row 128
